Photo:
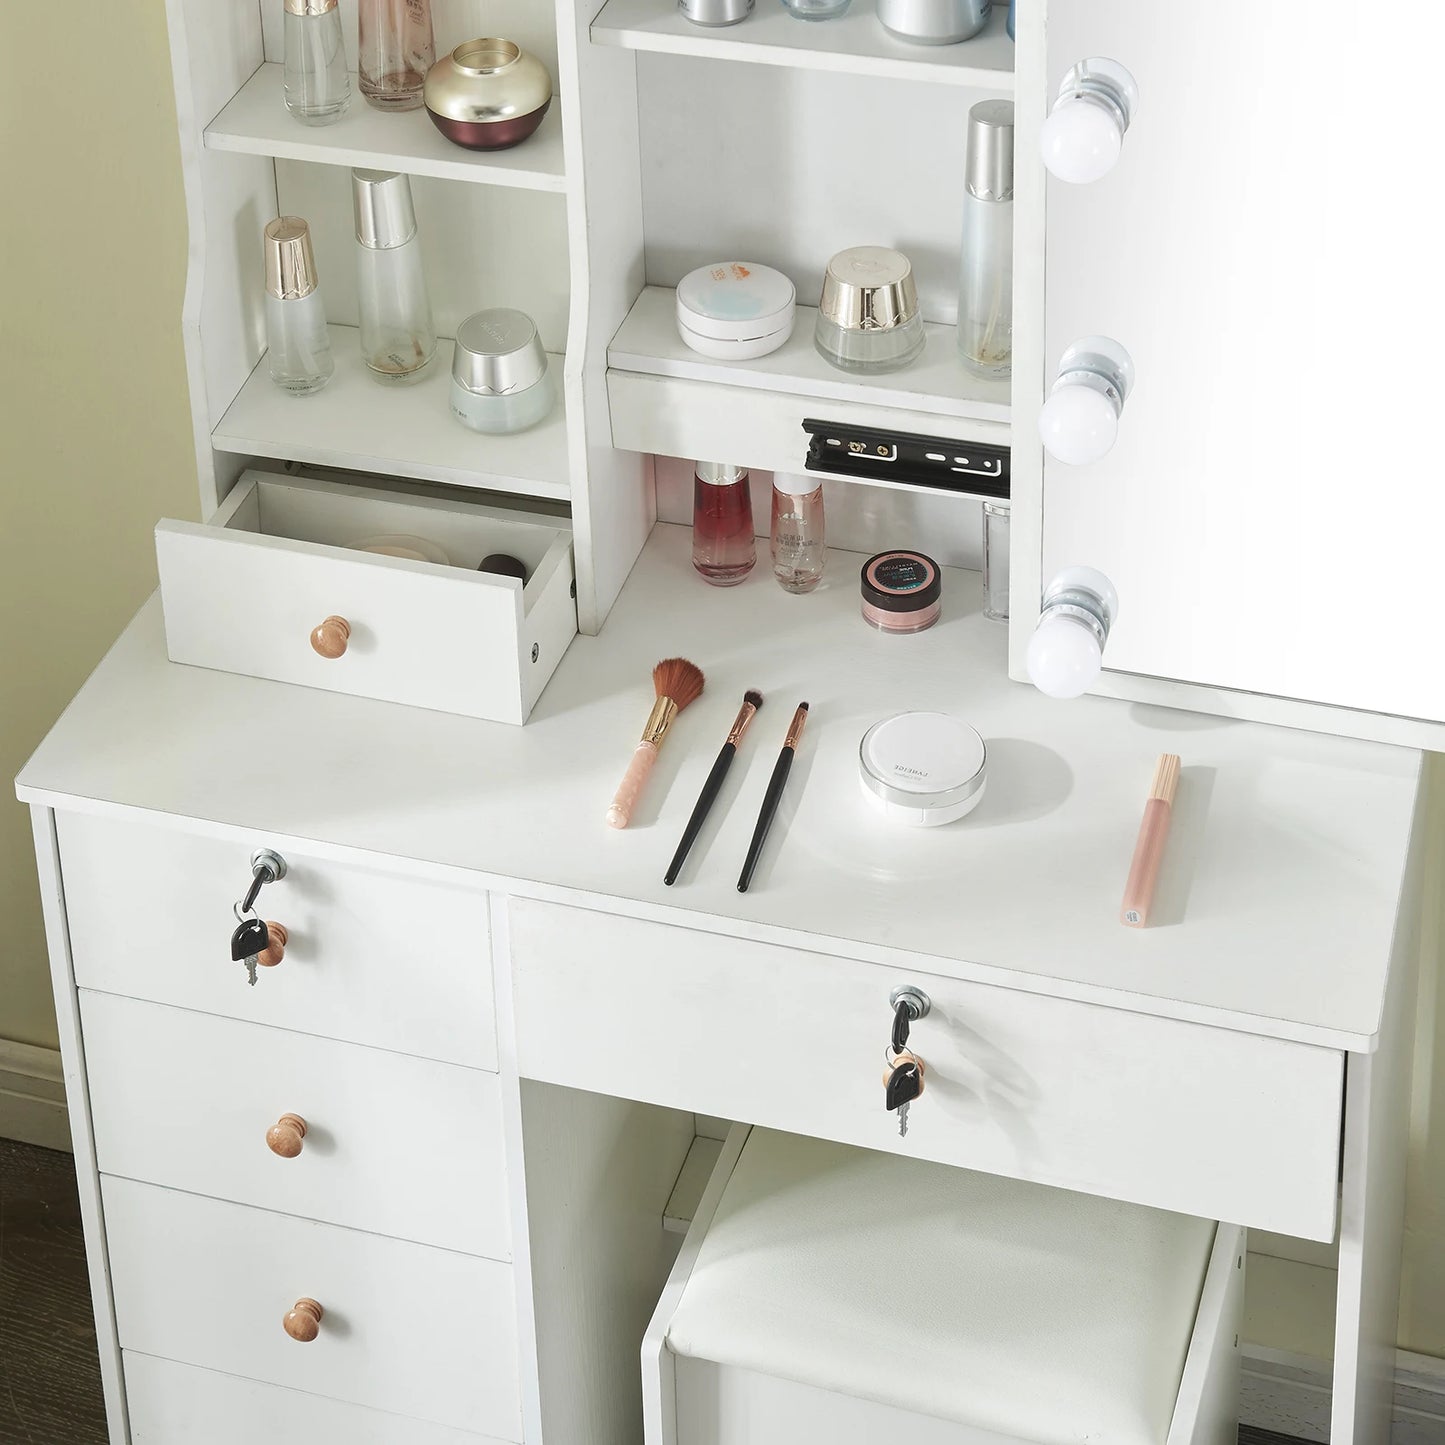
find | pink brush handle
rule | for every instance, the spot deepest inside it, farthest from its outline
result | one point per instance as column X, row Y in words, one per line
column 619, row 815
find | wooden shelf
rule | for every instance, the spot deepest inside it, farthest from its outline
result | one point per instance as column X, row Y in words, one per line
column 256, row 122
column 358, row 424
column 856, row 44
column 648, row 343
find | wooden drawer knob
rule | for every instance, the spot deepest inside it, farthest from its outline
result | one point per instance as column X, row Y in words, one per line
column 331, row 637
column 285, row 1135
column 275, row 949
column 303, row 1320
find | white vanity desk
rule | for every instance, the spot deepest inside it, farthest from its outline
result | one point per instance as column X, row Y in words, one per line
column 1198, row 1065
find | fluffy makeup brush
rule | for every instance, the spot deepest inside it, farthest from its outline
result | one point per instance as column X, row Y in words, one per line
column 677, row 682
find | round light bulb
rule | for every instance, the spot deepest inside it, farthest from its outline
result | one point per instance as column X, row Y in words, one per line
column 1081, row 141
column 1079, row 423
column 1064, row 657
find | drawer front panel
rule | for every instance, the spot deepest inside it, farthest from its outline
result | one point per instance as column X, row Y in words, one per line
column 407, row 1329
column 1185, row 1117
column 393, row 1144
column 171, row 1404
column 371, row 958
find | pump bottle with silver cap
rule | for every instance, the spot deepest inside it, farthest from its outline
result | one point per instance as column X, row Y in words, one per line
column 397, row 336
column 315, row 81
column 299, row 359
column 985, row 281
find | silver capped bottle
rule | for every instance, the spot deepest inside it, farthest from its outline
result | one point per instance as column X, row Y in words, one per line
column 398, row 339
column 316, row 85
column 299, row 358
column 986, row 266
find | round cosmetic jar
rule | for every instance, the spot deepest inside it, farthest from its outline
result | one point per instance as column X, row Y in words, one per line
column 735, row 310
column 923, row 769
column 487, row 94
column 901, row 592
column 934, row 22
column 868, row 318
column 715, row 12
column 500, row 377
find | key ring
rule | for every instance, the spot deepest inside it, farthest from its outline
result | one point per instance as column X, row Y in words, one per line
column 241, row 911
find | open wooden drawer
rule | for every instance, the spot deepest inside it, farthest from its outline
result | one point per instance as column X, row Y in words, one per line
column 245, row 592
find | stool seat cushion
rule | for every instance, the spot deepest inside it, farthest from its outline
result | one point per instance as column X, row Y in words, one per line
column 1034, row 1312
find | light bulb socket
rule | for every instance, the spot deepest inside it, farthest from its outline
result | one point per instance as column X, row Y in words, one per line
column 1102, row 365
column 1104, row 83
column 1083, row 595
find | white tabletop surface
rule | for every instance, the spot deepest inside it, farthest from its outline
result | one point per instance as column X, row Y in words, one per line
column 1276, row 905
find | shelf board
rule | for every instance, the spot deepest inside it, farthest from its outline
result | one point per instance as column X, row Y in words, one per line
column 855, row 44
column 256, row 122
column 358, row 424
column 648, row 343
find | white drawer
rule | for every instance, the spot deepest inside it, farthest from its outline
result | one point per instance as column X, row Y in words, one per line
column 244, row 591
column 171, row 1404
column 1200, row 1120
column 371, row 958
column 406, row 1328
column 393, row 1144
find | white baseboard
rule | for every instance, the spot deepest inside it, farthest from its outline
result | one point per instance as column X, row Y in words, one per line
column 1291, row 1394
column 32, row 1096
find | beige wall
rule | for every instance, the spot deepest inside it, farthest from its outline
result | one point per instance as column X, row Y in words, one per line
column 94, row 440
column 96, row 447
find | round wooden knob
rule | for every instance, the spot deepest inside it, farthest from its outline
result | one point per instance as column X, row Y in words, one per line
column 285, row 1135
column 331, row 637
column 275, row 949
column 303, row 1320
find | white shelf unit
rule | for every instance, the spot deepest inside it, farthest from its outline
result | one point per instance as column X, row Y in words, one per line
column 855, row 44
column 637, row 176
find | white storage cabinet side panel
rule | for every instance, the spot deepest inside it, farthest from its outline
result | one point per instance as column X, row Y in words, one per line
column 1283, row 372
column 408, row 1329
column 1182, row 1116
column 371, row 958
column 173, row 1404
column 395, row 1145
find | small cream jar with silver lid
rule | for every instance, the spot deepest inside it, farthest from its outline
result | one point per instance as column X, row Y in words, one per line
column 923, row 769
column 500, row 376
column 868, row 317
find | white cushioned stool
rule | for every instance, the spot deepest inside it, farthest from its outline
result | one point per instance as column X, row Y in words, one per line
column 839, row 1295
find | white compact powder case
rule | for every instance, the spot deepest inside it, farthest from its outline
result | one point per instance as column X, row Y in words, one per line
column 735, row 310
column 923, row 768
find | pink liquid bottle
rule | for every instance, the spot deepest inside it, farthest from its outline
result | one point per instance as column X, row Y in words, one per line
column 723, row 545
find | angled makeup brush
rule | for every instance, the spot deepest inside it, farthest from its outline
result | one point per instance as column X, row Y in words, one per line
column 677, row 682
column 752, row 701
column 773, row 796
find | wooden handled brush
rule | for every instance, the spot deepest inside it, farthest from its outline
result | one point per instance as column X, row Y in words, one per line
column 677, row 682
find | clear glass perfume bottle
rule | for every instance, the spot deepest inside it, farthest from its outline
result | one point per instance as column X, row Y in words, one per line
column 723, row 546
column 317, row 87
column 796, row 534
column 299, row 357
column 397, row 336
column 397, row 50
column 985, row 283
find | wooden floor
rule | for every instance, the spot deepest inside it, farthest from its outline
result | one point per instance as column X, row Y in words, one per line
column 49, row 1379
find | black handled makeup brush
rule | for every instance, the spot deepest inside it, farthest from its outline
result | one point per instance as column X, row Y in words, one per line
column 752, row 701
column 773, row 796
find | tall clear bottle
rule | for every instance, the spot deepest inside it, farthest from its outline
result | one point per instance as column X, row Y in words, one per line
column 397, row 336
column 397, row 50
column 796, row 534
column 723, row 546
column 986, row 267
column 299, row 357
column 316, row 84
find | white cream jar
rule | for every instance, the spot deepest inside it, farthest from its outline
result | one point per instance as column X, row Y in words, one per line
column 923, row 769
column 735, row 310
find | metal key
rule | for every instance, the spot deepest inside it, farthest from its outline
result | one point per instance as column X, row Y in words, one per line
column 248, row 943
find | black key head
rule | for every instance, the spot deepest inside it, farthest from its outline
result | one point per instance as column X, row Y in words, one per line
column 902, row 1021
column 251, row 937
column 904, row 1085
